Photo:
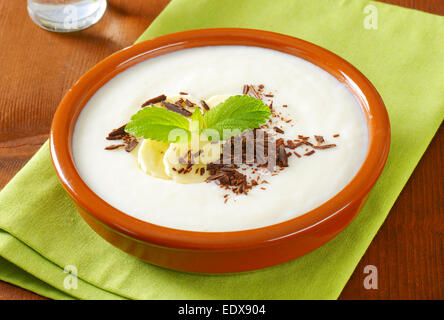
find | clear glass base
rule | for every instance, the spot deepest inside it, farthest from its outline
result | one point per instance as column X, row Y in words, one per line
column 66, row 16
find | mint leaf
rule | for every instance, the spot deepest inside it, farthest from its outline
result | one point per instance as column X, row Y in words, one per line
column 157, row 124
column 197, row 121
column 237, row 112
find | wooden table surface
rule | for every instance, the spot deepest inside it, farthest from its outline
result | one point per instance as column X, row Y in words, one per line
column 38, row 67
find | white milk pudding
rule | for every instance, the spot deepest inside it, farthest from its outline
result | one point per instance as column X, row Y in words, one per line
column 309, row 135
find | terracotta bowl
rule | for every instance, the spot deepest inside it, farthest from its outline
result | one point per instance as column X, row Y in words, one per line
column 220, row 252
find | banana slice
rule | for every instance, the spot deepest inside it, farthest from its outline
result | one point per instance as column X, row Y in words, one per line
column 170, row 161
column 176, row 167
column 150, row 158
column 215, row 100
column 210, row 152
column 177, row 156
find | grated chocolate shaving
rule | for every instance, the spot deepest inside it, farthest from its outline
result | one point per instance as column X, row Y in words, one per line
column 179, row 109
column 188, row 103
column 132, row 143
column 114, row 146
column 282, row 157
column 205, row 105
column 231, row 180
column 278, row 130
column 319, row 139
column 255, row 93
column 154, row 100
column 325, row 146
column 117, row 134
column 129, row 141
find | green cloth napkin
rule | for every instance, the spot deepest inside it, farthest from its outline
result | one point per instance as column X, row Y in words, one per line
column 42, row 232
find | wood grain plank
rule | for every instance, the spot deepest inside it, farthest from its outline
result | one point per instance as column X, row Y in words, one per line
column 11, row 292
column 38, row 67
column 432, row 6
column 409, row 248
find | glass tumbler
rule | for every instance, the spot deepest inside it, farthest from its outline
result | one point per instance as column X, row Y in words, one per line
column 66, row 15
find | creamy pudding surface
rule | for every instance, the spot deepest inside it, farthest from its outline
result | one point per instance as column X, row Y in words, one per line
column 308, row 100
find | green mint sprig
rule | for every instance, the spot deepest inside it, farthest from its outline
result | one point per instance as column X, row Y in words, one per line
column 237, row 113
column 156, row 124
